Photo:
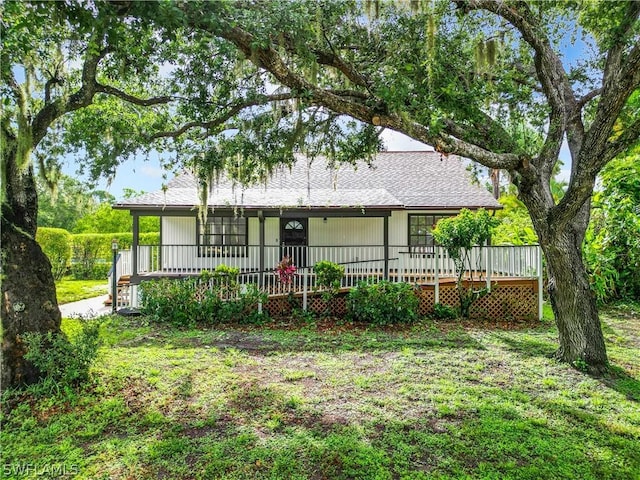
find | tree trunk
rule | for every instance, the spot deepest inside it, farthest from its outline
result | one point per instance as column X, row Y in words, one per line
column 29, row 302
column 574, row 306
column 573, row 303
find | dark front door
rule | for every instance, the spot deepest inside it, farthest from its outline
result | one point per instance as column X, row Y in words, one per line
column 293, row 239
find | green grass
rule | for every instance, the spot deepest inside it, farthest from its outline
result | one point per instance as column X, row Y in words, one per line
column 73, row 290
column 437, row 400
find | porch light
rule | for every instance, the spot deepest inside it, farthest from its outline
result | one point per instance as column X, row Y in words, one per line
column 114, row 245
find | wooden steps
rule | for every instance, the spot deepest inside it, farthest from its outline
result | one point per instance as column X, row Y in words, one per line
column 123, row 288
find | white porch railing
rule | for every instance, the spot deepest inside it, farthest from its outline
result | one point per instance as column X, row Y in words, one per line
column 191, row 259
column 402, row 263
column 360, row 262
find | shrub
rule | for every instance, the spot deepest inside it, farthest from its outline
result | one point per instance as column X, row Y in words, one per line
column 286, row 270
column 62, row 363
column 87, row 249
column 612, row 243
column 328, row 275
column 444, row 312
column 224, row 279
column 56, row 245
column 383, row 303
column 171, row 301
column 244, row 308
column 458, row 235
column 191, row 301
column 99, row 271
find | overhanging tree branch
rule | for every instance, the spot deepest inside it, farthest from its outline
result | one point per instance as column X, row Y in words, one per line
column 621, row 77
column 66, row 104
column 270, row 60
column 581, row 102
column 620, row 144
column 549, row 67
column 581, row 185
column 222, row 118
column 144, row 102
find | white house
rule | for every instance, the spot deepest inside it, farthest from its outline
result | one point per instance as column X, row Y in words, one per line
column 375, row 220
column 348, row 214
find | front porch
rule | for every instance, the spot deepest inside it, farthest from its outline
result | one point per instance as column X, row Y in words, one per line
column 431, row 268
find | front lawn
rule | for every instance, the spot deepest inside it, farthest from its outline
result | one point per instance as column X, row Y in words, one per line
column 69, row 290
column 332, row 401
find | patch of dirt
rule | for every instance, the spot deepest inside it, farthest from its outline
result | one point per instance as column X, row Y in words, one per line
column 135, row 394
column 244, row 341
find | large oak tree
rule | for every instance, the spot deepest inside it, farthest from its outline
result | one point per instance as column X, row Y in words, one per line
column 503, row 83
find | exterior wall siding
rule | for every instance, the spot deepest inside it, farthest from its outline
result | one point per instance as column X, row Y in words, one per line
column 179, row 230
column 336, row 231
column 345, row 231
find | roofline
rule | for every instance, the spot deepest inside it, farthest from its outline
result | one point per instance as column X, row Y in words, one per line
column 155, row 209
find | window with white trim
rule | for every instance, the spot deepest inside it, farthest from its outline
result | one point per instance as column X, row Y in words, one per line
column 420, row 237
column 223, row 236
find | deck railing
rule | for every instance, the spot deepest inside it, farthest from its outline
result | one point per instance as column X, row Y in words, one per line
column 402, row 263
column 366, row 262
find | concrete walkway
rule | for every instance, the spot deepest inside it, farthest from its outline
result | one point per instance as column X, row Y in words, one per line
column 89, row 308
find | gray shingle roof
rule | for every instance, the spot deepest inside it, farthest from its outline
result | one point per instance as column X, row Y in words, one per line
column 395, row 179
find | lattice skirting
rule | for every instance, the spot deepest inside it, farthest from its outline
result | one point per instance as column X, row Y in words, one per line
column 508, row 300
column 511, row 299
column 284, row 306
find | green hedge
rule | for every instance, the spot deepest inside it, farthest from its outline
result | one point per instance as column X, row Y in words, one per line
column 212, row 298
column 56, row 245
column 91, row 251
column 87, row 254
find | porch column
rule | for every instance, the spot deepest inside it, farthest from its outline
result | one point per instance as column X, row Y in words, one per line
column 159, row 266
column 261, row 249
column 540, row 284
column 385, row 228
column 134, row 244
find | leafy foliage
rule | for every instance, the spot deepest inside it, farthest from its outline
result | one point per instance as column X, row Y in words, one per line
column 105, row 219
column 66, row 203
column 92, row 255
column 56, row 245
column 329, row 275
column 612, row 243
column 208, row 299
column 224, row 278
column 515, row 226
column 64, row 364
column 444, row 312
column 286, row 270
column 383, row 303
column 459, row 235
